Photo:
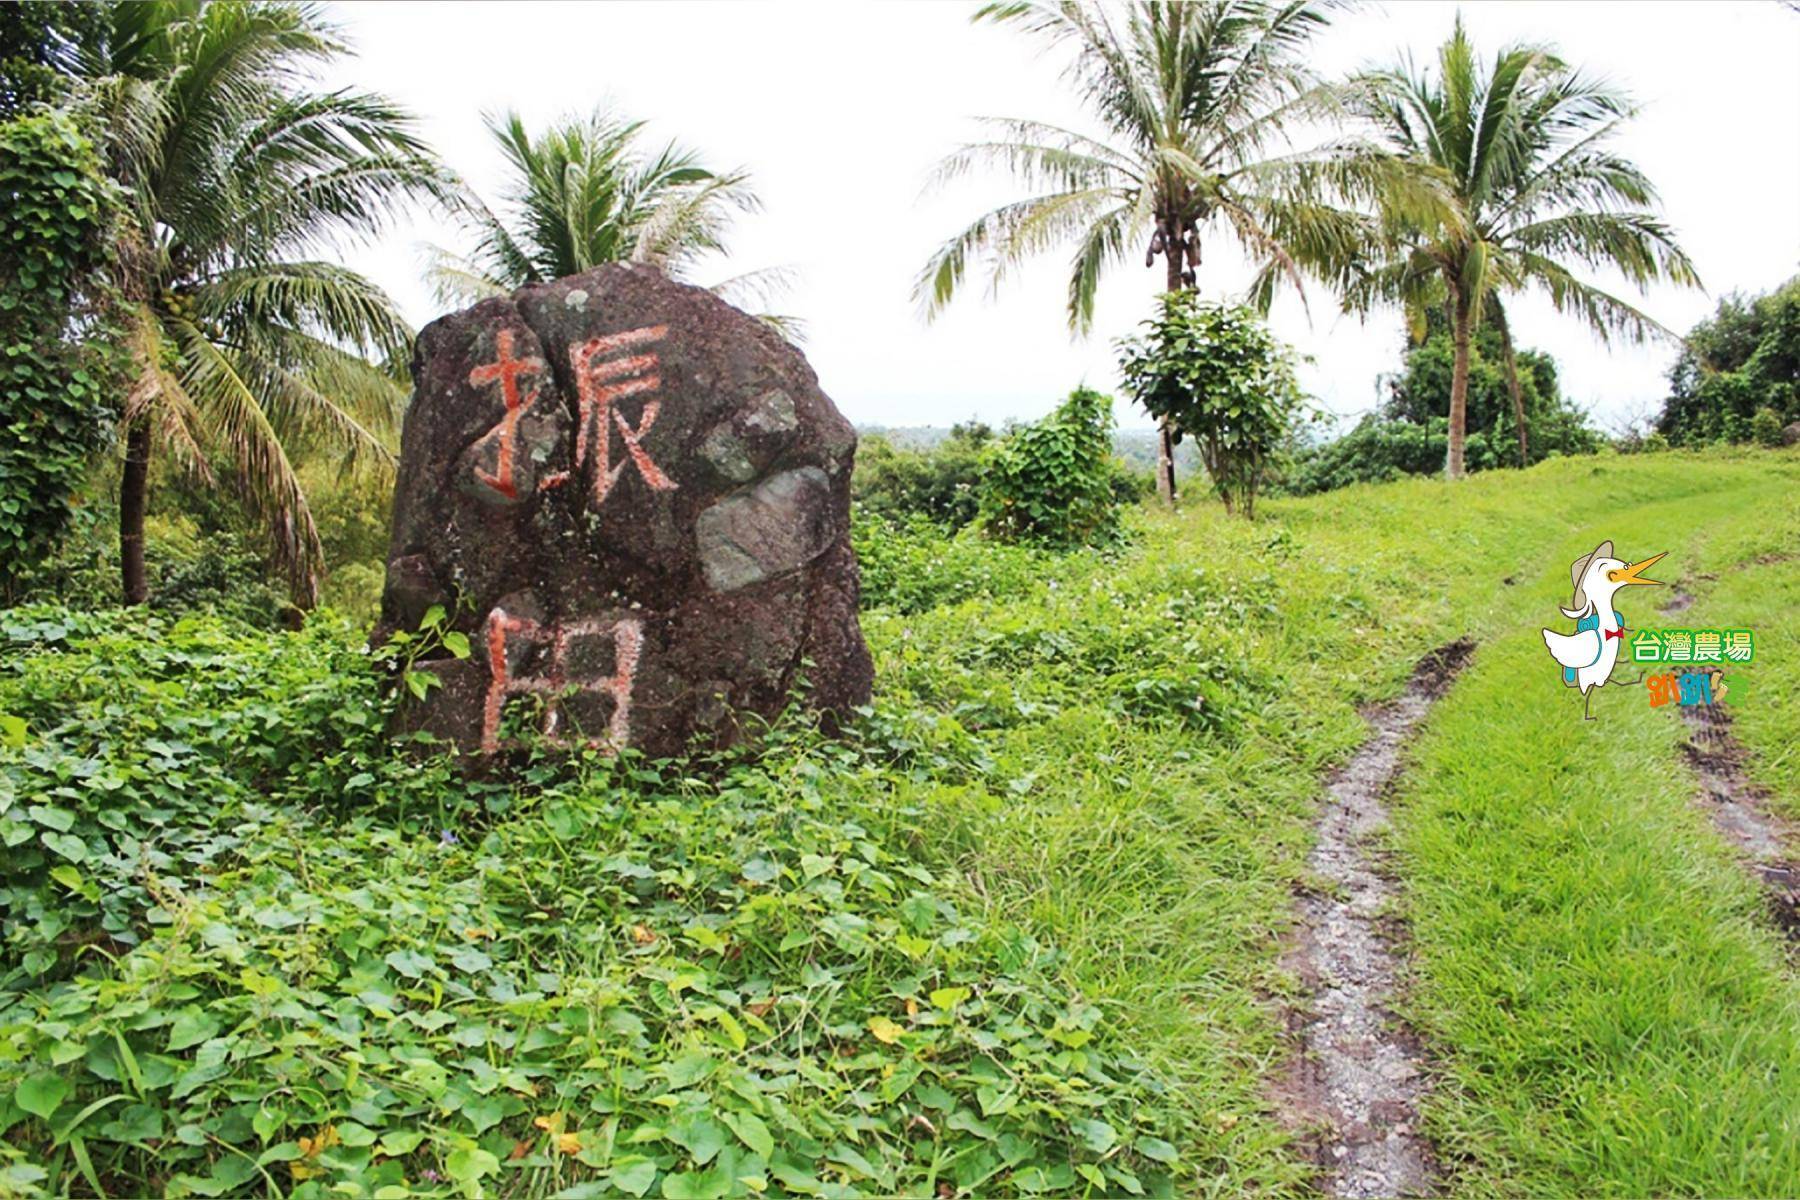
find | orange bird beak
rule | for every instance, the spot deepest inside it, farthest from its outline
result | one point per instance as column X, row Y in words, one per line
column 1630, row 574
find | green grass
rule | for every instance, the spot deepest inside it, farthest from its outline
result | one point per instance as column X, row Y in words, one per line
column 1085, row 794
column 1168, row 898
column 1754, row 582
column 1609, row 1004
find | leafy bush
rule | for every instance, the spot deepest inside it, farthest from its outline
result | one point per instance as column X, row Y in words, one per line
column 911, row 564
column 41, row 41
column 352, row 511
column 1217, row 375
column 1411, row 434
column 200, row 559
column 1743, row 359
column 1420, row 394
column 1637, row 442
column 941, row 483
column 1765, row 427
column 58, row 382
column 1050, row 483
column 1375, row 451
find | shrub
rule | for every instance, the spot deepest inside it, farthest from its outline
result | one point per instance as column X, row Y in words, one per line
column 1420, row 392
column 910, row 564
column 1765, row 427
column 941, row 484
column 1743, row 359
column 1051, row 483
column 1375, row 451
column 1219, row 376
column 200, row 558
column 1637, row 442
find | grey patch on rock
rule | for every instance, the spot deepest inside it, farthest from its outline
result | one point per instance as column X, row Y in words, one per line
column 1358, row 1075
column 411, row 581
column 727, row 453
column 771, row 412
column 576, row 298
column 776, row 527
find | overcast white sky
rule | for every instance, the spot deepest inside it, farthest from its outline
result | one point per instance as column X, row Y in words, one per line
column 839, row 110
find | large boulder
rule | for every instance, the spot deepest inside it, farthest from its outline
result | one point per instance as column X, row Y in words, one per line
column 634, row 500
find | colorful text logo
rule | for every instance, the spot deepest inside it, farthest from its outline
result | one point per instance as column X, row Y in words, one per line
column 1692, row 645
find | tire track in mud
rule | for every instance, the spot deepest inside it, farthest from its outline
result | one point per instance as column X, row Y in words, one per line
column 1739, row 808
column 1357, row 1074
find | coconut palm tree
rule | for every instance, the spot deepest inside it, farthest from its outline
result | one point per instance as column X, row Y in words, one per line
column 1195, row 100
column 584, row 192
column 246, row 349
column 1534, row 192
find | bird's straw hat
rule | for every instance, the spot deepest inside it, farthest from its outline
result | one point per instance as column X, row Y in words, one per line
column 1579, row 568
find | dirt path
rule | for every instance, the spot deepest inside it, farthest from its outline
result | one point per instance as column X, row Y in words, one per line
column 1357, row 1075
column 1738, row 807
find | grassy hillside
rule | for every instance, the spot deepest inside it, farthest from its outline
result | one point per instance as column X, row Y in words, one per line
column 1018, row 932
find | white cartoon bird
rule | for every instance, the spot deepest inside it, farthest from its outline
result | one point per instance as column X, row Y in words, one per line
column 1587, row 656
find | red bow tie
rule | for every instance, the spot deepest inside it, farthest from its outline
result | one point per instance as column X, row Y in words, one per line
column 1613, row 633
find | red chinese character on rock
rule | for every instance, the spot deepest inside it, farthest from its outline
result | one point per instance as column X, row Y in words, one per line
column 606, row 372
column 507, row 370
column 505, row 633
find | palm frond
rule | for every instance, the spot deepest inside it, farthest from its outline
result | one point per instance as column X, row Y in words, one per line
column 365, row 403
column 320, row 299
column 262, row 475
column 756, row 288
column 1637, row 245
column 1269, row 73
column 303, row 415
column 1606, row 314
column 1104, row 244
column 1190, row 99
column 1036, row 165
column 686, row 218
column 457, row 281
column 1007, row 236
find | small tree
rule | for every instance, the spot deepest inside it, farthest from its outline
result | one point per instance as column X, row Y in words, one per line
column 1216, row 373
column 1051, row 482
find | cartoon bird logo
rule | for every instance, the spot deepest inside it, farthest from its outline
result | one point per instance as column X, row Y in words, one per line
column 1588, row 655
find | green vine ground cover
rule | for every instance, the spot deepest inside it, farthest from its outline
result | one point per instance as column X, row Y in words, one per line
column 1017, row 933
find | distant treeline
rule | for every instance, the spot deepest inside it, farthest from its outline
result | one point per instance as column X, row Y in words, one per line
column 1136, row 448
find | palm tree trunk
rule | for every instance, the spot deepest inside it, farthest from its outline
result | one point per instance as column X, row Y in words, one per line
column 1459, row 386
column 1165, row 452
column 1512, row 386
column 134, row 497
